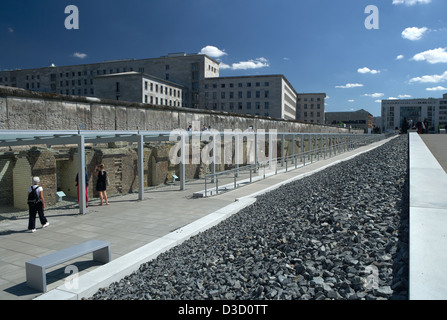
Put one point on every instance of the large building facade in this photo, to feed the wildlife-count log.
(269, 95)
(188, 71)
(194, 76)
(434, 111)
(138, 87)
(310, 107)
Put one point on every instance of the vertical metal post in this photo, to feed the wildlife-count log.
(213, 168)
(140, 164)
(236, 153)
(183, 162)
(293, 148)
(302, 147)
(81, 175)
(256, 151)
(283, 149)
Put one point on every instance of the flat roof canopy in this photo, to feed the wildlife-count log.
(62, 137)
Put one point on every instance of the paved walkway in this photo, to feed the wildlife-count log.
(437, 143)
(127, 223)
(428, 218)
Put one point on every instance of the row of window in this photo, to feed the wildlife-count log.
(240, 85)
(223, 95)
(91, 72)
(231, 105)
(157, 101)
(311, 114)
(311, 99)
(77, 92)
(311, 106)
(159, 88)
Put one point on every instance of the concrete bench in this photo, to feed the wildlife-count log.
(36, 269)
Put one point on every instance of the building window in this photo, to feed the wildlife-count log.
(248, 94)
(266, 94)
(258, 94)
(248, 105)
(145, 98)
(145, 85)
(117, 87)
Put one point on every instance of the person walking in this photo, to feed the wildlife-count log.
(101, 184)
(37, 206)
(86, 186)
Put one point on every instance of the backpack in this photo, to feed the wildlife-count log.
(32, 197)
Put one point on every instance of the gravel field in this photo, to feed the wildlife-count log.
(339, 234)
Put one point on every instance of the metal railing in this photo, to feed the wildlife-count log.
(333, 145)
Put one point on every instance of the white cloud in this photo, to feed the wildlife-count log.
(404, 96)
(380, 101)
(350, 85)
(79, 55)
(374, 95)
(213, 52)
(438, 88)
(245, 65)
(411, 2)
(414, 33)
(400, 57)
(430, 78)
(438, 55)
(367, 70)
(10, 30)
(351, 100)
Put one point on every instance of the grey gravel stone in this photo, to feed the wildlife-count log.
(320, 237)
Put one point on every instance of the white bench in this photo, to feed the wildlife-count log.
(36, 269)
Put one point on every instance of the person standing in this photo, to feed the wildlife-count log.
(38, 207)
(86, 186)
(101, 184)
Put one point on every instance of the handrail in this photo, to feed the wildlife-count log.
(336, 148)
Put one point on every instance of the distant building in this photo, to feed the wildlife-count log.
(434, 111)
(310, 107)
(267, 95)
(188, 71)
(196, 76)
(360, 119)
(138, 87)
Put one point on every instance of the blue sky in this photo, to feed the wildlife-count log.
(319, 45)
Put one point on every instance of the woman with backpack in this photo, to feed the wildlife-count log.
(36, 204)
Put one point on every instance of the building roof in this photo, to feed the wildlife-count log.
(142, 75)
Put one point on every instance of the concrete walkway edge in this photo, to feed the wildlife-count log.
(428, 224)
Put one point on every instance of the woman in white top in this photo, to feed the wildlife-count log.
(38, 207)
